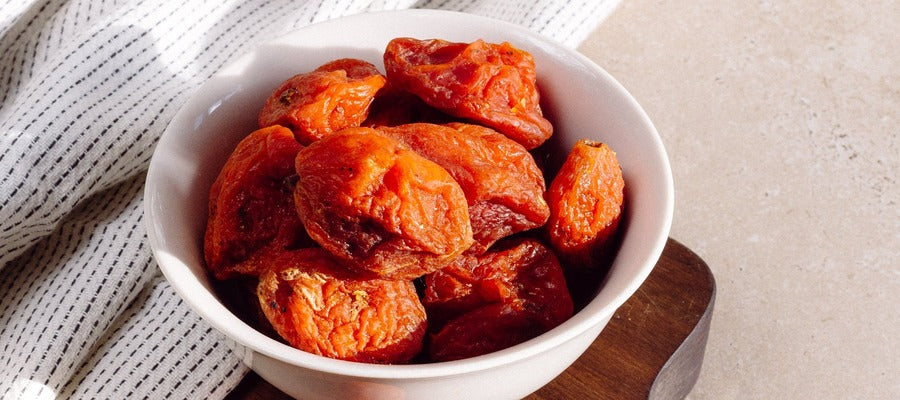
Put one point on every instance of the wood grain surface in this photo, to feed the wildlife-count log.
(652, 347)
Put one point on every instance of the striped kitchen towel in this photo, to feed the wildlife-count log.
(86, 89)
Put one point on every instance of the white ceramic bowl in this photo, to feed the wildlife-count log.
(582, 100)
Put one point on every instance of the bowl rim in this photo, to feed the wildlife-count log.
(197, 297)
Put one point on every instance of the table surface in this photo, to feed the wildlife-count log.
(781, 121)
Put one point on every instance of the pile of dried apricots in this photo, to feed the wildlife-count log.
(402, 217)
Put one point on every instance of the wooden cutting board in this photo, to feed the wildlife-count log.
(652, 347)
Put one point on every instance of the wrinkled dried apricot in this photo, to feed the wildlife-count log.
(484, 330)
(483, 303)
(379, 206)
(321, 308)
(586, 201)
(251, 203)
(334, 96)
(494, 84)
(503, 186)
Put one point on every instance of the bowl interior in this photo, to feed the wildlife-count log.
(581, 99)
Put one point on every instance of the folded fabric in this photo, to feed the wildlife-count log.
(86, 90)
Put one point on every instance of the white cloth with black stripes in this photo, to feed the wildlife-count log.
(86, 89)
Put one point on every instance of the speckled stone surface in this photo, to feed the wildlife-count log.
(782, 123)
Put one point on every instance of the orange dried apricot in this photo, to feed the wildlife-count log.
(319, 307)
(493, 84)
(251, 203)
(379, 206)
(334, 96)
(503, 186)
(586, 201)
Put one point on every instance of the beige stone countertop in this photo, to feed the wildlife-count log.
(781, 120)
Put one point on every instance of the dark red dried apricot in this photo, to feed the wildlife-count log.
(483, 303)
(481, 331)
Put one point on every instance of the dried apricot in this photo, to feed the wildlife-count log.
(321, 308)
(483, 303)
(503, 186)
(484, 330)
(493, 84)
(586, 201)
(379, 206)
(334, 96)
(251, 204)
